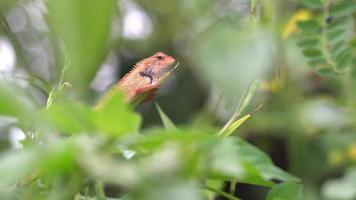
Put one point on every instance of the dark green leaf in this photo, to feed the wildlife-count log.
(261, 162)
(310, 26)
(325, 71)
(312, 52)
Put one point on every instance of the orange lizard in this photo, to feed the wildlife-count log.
(144, 77)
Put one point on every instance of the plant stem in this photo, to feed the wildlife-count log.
(222, 193)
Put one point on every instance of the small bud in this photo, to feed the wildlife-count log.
(329, 19)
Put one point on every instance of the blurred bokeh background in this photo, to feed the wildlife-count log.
(306, 123)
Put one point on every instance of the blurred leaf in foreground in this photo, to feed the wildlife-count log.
(83, 26)
(16, 165)
(115, 118)
(14, 103)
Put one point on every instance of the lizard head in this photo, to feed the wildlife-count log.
(156, 66)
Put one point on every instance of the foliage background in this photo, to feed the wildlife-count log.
(296, 57)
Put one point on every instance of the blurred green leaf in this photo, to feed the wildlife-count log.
(344, 58)
(313, 3)
(315, 62)
(325, 71)
(168, 124)
(225, 59)
(84, 27)
(310, 26)
(14, 102)
(312, 52)
(260, 162)
(227, 158)
(16, 165)
(340, 23)
(309, 42)
(6, 4)
(335, 36)
(70, 117)
(343, 8)
(116, 117)
(236, 124)
(284, 191)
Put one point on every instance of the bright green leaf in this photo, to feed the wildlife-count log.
(116, 117)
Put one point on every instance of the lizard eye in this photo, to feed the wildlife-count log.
(143, 74)
(159, 57)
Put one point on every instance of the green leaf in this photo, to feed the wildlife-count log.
(286, 191)
(344, 58)
(338, 48)
(310, 26)
(313, 3)
(340, 23)
(335, 36)
(13, 102)
(83, 26)
(236, 124)
(309, 43)
(343, 8)
(325, 71)
(70, 117)
(259, 161)
(312, 52)
(16, 165)
(315, 62)
(116, 117)
(168, 124)
(235, 158)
